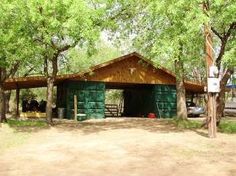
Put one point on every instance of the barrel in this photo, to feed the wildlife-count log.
(60, 113)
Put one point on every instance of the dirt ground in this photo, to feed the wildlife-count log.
(126, 147)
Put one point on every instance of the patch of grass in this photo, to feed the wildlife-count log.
(227, 126)
(185, 124)
(26, 123)
(10, 138)
(16, 132)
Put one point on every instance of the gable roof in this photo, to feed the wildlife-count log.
(118, 59)
(40, 81)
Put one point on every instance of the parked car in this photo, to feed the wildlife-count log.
(194, 110)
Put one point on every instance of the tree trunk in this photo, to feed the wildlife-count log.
(16, 110)
(51, 77)
(220, 99)
(2, 104)
(220, 105)
(50, 84)
(7, 100)
(180, 91)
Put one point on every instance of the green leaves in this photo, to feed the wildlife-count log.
(35, 30)
(158, 28)
(14, 41)
(69, 21)
(222, 17)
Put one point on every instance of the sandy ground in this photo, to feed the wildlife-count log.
(121, 147)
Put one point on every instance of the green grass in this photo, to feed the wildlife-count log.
(227, 126)
(10, 138)
(185, 124)
(17, 132)
(26, 123)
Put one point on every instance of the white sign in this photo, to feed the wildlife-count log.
(213, 71)
(213, 85)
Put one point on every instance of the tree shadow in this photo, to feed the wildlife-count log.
(96, 126)
(201, 133)
(29, 129)
(99, 125)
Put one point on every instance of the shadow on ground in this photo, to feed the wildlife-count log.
(95, 126)
(99, 125)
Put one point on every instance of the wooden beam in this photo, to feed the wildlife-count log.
(17, 102)
(75, 107)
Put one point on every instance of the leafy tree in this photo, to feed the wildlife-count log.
(58, 26)
(164, 31)
(14, 44)
(222, 20)
(103, 53)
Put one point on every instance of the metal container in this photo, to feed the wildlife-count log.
(60, 113)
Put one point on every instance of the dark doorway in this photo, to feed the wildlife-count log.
(129, 100)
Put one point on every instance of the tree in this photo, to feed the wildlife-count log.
(71, 63)
(57, 26)
(14, 44)
(164, 31)
(222, 21)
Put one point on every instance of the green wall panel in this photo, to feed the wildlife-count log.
(160, 99)
(165, 99)
(90, 96)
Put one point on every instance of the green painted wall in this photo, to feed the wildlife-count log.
(158, 99)
(90, 96)
(165, 99)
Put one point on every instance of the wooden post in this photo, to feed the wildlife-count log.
(211, 104)
(75, 107)
(192, 97)
(17, 101)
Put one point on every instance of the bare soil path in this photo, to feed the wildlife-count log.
(122, 147)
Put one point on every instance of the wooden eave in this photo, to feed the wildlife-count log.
(101, 73)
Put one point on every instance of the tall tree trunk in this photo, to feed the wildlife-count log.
(2, 104)
(51, 77)
(7, 100)
(220, 105)
(220, 99)
(50, 84)
(2, 95)
(15, 109)
(180, 91)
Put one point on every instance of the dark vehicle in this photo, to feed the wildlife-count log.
(42, 106)
(194, 110)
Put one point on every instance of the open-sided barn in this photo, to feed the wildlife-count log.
(145, 88)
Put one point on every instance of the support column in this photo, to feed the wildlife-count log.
(211, 105)
(75, 107)
(17, 102)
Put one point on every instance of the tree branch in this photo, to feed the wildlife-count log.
(45, 66)
(13, 69)
(222, 51)
(228, 72)
(206, 6)
(2, 74)
(224, 40)
(216, 33)
(231, 27)
(54, 66)
(28, 72)
(65, 48)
